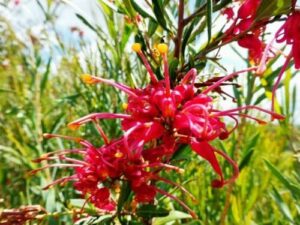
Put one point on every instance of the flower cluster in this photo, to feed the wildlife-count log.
(243, 25)
(158, 119)
(248, 30)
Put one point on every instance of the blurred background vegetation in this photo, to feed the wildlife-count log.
(40, 92)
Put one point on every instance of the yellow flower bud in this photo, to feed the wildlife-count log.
(162, 48)
(124, 105)
(88, 79)
(73, 126)
(136, 47)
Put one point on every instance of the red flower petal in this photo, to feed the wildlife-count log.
(206, 151)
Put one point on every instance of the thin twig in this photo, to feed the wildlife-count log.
(180, 29)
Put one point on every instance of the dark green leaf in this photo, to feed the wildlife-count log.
(209, 12)
(125, 191)
(159, 14)
(183, 153)
(253, 141)
(186, 36)
(87, 23)
(237, 95)
(140, 10)
(150, 211)
(172, 68)
(152, 27)
(260, 98)
(246, 159)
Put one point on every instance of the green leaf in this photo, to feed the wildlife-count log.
(272, 8)
(140, 10)
(152, 26)
(172, 68)
(125, 37)
(173, 215)
(150, 211)
(253, 141)
(45, 76)
(237, 95)
(129, 7)
(259, 99)
(294, 99)
(87, 23)
(281, 204)
(246, 158)
(159, 14)
(183, 153)
(209, 12)
(125, 192)
(186, 36)
(295, 190)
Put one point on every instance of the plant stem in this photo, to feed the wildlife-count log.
(202, 10)
(180, 29)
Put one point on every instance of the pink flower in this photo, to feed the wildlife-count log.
(242, 25)
(290, 33)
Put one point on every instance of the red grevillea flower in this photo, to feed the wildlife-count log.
(97, 176)
(157, 120)
(180, 113)
(289, 33)
(242, 24)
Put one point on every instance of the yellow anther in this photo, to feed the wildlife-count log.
(118, 154)
(88, 79)
(162, 48)
(136, 47)
(124, 105)
(73, 126)
(155, 52)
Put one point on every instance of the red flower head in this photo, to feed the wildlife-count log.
(243, 25)
(179, 113)
(159, 118)
(290, 33)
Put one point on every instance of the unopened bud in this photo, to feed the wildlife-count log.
(136, 47)
(162, 48)
(73, 126)
(88, 79)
